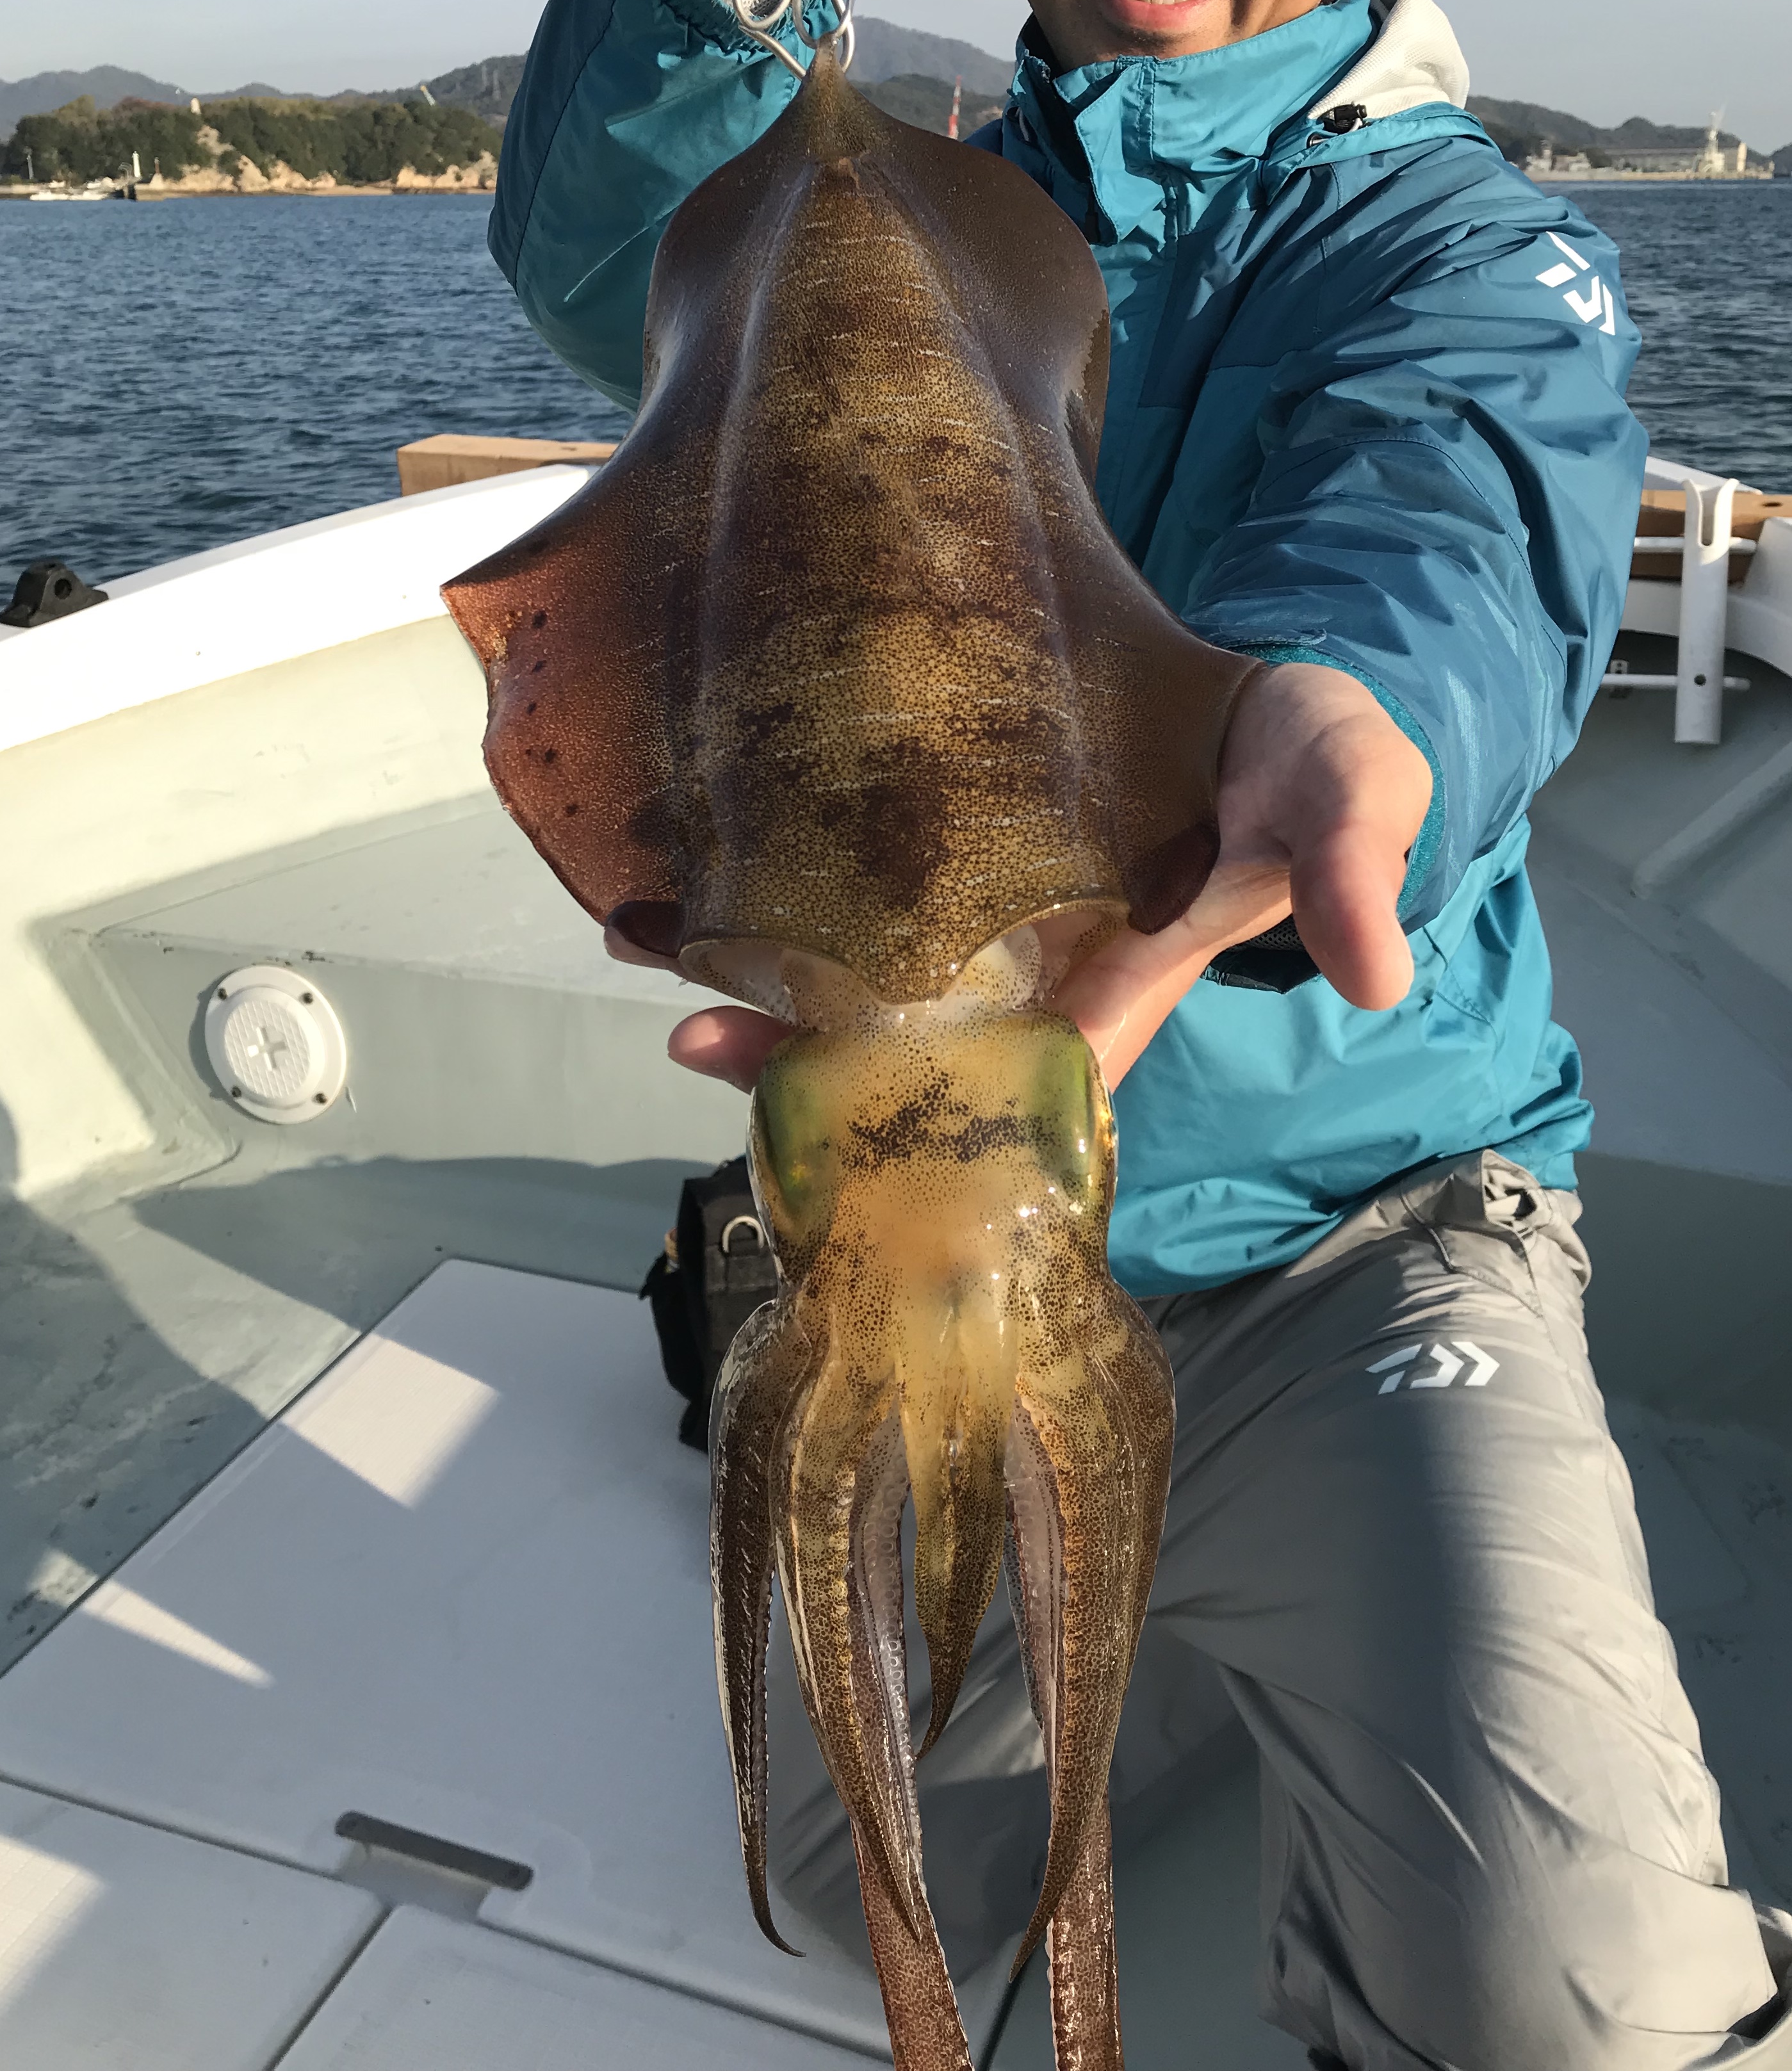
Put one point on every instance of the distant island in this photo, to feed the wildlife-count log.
(885, 52)
(443, 134)
(1547, 139)
(448, 131)
(248, 145)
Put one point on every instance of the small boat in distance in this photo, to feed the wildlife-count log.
(93, 190)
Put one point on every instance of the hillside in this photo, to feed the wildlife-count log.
(912, 71)
(487, 88)
(927, 103)
(250, 144)
(1523, 127)
(256, 89)
(105, 85)
(886, 52)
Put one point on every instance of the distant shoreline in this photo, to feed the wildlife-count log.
(1600, 178)
(277, 193)
(1595, 176)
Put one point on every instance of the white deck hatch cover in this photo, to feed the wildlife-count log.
(436, 1995)
(462, 1586)
(120, 1945)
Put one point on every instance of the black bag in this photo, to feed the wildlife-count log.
(717, 1268)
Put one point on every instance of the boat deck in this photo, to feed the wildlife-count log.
(337, 1474)
(149, 1331)
(345, 1610)
(421, 1751)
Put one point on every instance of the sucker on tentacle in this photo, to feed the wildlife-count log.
(834, 686)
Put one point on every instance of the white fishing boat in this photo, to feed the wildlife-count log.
(123, 187)
(358, 1706)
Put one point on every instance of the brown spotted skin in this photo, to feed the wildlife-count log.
(937, 1185)
(838, 653)
(834, 685)
(1080, 1953)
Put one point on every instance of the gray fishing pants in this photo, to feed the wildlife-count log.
(1401, 1547)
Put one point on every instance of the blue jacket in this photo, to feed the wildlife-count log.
(1365, 409)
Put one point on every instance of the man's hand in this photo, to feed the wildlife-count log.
(1321, 797)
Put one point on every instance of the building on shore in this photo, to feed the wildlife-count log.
(1719, 158)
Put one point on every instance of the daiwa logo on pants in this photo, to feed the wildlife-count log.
(1450, 1360)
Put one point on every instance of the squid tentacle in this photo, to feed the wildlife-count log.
(919, 2002)
(1087, 1675)
(1033, 1558)
(955, 1439)
(1081, 1953)
(768, 1369)
(837, 1456)
(879, 1663)
(1080, 1943)
(1103, 1423)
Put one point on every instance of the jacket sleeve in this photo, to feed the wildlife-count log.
(625, 107)
(1451, 487)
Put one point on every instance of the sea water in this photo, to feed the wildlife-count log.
(181, 373)
(1707, 270)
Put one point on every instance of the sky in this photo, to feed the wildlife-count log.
(1671, 60)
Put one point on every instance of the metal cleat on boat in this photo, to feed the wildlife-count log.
(48, 590)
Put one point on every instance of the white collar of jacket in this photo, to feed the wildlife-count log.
(1118, 138)
(1414, 60)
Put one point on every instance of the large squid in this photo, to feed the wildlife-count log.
(834, 686)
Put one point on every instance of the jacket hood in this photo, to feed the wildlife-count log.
(1414, 60)
(1115, 137)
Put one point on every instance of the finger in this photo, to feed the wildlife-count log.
(727, 1043)
(1119, 1013)
(1346, 889)
(1123, 994)
(1247, 893)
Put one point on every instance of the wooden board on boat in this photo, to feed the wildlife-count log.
(1663, 517)
(451, 458)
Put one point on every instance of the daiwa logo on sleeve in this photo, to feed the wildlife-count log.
(1597, 301)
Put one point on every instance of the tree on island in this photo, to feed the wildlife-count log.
(364, 146)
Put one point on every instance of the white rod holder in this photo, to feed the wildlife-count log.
(1621, 679)
(1704, 614)
(1667, 544)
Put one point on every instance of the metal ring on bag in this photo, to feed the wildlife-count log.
(743, 1222)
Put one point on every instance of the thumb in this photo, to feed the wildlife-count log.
(1346, 890)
